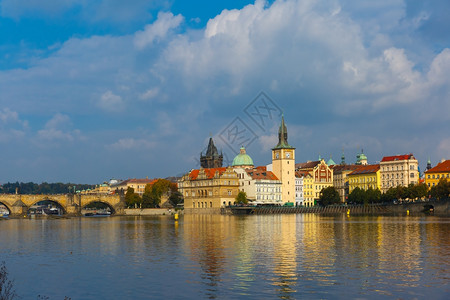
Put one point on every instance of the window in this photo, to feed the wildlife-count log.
(411, 175)
(437, 176)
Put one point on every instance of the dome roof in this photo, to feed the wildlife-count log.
(330, 162)
(242, 159)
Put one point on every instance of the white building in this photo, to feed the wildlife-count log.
(261, 186)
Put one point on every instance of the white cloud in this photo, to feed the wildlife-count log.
(57, 129)
(158, 30)
(149, 94)
(110, 102)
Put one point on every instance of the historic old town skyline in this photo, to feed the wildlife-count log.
(151, 81)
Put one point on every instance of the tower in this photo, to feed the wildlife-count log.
(361, 158)
(211, 159)
(283, 164)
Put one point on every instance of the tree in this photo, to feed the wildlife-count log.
(441, 190)
(357, 196)
(373, 196)
(419, 191)
(390, 195)
(154, 192)
(132, 199)
(176, 198)
(329, 196)
(241, 198)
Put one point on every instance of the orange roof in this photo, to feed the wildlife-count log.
(208, 172)
(259, 174)
(366, 169)
(341, 168)
(261, 168)
(398, 157)
(442, 167)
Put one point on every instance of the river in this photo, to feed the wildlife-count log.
(289, 256)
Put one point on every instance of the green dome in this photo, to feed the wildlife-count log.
(242, 159)
(330, 162)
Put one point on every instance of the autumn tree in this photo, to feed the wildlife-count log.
(154, 192)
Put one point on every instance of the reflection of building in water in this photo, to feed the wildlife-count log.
(204, 239)
(285, 256)
(319, 249)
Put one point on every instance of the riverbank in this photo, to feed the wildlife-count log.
(151, 211)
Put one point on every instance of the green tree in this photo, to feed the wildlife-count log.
(373, 196)
(132, 199)
(176, 198)
(419, 191)
(357, 196)
(329, 196)
(441, 190)
(390, 195)
(241, 198)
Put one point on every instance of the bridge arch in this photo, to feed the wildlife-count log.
(7, 207)
(104, 203)
(59, 205)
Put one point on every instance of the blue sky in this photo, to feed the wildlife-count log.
(93, 90)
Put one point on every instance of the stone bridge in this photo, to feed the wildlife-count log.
(71, 204)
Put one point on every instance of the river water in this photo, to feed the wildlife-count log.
(306, 256)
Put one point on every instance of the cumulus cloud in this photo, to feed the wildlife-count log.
(57, 129)
(157, 30)
(329, 64)
(111, 102)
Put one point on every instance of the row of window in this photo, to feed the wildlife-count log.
(437, 176)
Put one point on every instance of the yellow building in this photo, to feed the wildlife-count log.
(340, 179)
(365, 177)
(283, 164)
(433, 175)
(207, 190)
(322, 175)
(305, 188)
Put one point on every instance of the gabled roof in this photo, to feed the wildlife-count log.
(209, 172)
(365, 169)
(398, 157)
(442, 167)
(258, 174)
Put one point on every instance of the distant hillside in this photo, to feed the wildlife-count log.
(43, 188)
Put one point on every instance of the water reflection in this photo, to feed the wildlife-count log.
(214, 256)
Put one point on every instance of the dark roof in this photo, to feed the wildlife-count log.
(340, 168)
(398, 157)
(307, 165)
(366, 169)
(212, 150)
(442, 167)
(300, 174)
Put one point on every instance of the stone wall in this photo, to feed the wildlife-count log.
(150, 211)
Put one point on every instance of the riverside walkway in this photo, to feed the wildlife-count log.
(437, 207)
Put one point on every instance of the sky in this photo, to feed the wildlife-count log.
(101, 89)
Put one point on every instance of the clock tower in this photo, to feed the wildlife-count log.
(283, 164)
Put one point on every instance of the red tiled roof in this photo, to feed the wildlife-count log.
(208, 172)
(398, 157)
(261, 168)
(366, 169)
(442, 167)
(259, 174)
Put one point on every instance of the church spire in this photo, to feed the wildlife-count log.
(283, 136)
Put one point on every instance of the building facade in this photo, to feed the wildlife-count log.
(321, 173)
(136, 183)
(433, 175)
(260, 185)
(398, 170)
(209, 189)
(340, 180)
(283, 164)
(365, 177)
(304, 189)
